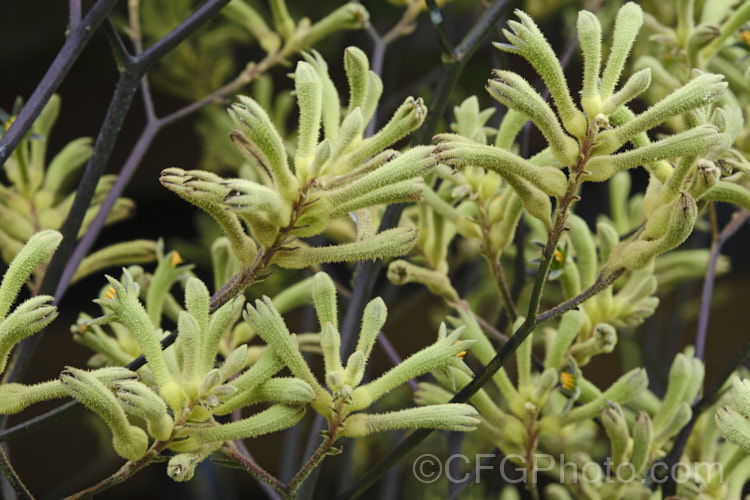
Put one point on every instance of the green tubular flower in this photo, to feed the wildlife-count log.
(621, 391)
(309, 89)
(461, 153)
(275, 418)
(389, 243)
(271, 328)
(570, 325)
(130, 442)
(357, 69)
(257, 130)
(350, 16)
(627, 25)
(616, 428)
(282, 20)
(122, 301)
(528, 40)
(636, 85)
(590, 40)
(37, 250)
(672, 229)
(262, 370)
(348, 137)
(514, 92)
(221, 320)
(167, 273)
(26, 319)
(137, 399)
(331, 109)
(700, 91)
(733, 426)
(116, 255)
(643, 435)
(14, 398)
(241, 13)
(206, 191)
(696, 141)
(283, 390)
(247, 198)
(407, 118)
(441, 355)
(729, 193)
(401, 272)
(451, 417)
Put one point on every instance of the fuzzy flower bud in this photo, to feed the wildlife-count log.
(373, 320)
(453, 417)
(700, 91)
(309, 90)
(37, 250)
(324, 298)
(636, 85)
(590, 40)
(259, 132)
(26, 319)
(440, 355)
(528, 40)
(129, 441)
(515, 92)
(390, 243)
(128, 311)
(627, 25)
(137, 399)
(625, 388)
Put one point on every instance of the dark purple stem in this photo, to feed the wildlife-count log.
(74, 14)
(708, 284)
(89, 238)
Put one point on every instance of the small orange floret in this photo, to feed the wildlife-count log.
(745, 35)
(110, 293)
(558, 256)
(568, 381)
(176, 258)
(9, 123)
(461, 354)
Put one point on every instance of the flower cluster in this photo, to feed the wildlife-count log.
(344, 173)
(41, 194)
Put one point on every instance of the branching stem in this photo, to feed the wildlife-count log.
(532, 321)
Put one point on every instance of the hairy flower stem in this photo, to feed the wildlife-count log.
(315, 460)
(15, 482)
(319, 454)
(532, 321)
(708, 283)
(497, 268)
(253, 469)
